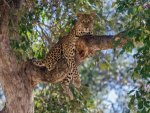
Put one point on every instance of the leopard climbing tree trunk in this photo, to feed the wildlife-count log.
(13, 77)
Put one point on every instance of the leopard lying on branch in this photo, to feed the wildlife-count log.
(65, 48)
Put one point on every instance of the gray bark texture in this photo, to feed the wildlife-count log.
(13, 78)
(18, 79)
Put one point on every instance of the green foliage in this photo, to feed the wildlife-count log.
(139, 100)
(138, 29)
(50, 99)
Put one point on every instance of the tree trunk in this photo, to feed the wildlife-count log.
(18, 93)
(15, 82)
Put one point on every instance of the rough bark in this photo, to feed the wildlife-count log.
(89, 44)
(19, 79)
(13, 78)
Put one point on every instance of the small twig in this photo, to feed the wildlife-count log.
(47, 38)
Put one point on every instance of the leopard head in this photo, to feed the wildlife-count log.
(84, 24)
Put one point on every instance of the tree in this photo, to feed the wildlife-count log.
(23, 27)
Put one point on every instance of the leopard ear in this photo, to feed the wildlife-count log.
(78, 14)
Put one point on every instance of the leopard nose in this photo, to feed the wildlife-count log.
(87, 29)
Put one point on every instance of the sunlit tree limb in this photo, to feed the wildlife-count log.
(88, 45)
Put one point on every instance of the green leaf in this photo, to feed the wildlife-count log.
(104, 66)
(140, 104)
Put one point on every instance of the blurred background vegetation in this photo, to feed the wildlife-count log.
(114, 80)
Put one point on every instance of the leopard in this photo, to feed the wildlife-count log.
(66, 48)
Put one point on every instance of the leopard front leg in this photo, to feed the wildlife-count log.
(69, 54)
(74, 73)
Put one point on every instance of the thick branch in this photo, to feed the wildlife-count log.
(38, 74)
(86, 46)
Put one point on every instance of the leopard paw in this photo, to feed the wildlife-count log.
(69, 94)
(77, 83)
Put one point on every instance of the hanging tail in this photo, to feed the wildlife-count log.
(39, 63)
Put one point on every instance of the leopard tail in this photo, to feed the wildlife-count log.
(39, 63)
